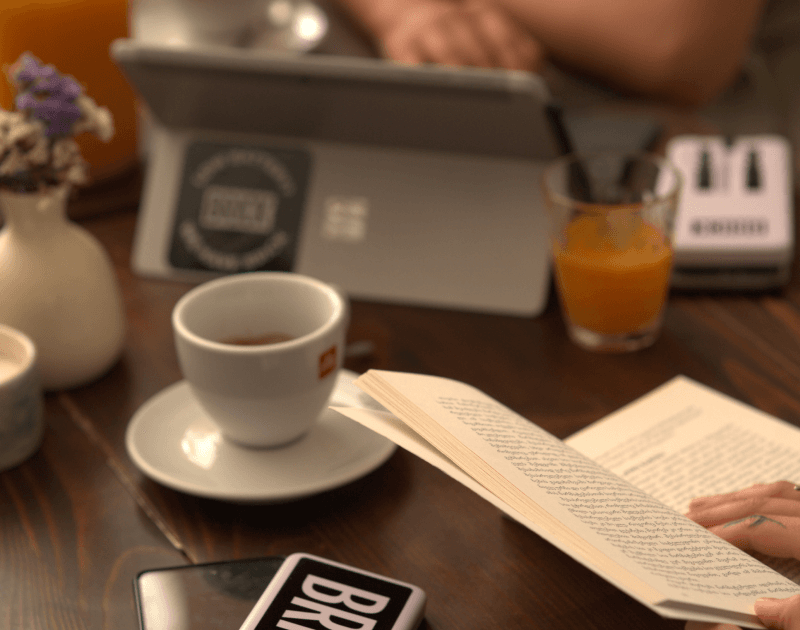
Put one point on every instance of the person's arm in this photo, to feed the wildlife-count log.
(452, 32)
(685, 51)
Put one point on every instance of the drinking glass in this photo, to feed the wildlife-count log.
(612, 218)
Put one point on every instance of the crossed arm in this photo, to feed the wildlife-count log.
(685, 51)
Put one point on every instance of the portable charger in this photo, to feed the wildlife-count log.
(313, 593)
(734, 228)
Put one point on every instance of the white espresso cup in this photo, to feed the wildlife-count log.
(195, 22)
(261, 352)
(21, 400)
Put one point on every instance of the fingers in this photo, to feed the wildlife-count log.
(507, 45)
(459, 34)
(457, 41)
(780, 496)
(402, 42)
(783, 489)
(779, 613)
(734, 510)
(763, 518)
(777, 536)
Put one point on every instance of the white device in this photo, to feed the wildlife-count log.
(411, 184)
(735, 223)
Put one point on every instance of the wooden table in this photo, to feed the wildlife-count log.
(79, 520)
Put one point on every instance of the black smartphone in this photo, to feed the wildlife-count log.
(202, 596)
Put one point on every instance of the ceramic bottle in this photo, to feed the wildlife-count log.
(58, 286)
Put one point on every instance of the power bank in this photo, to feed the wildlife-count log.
(734, 227)
(312, 593)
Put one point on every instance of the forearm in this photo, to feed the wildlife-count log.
(682, 50)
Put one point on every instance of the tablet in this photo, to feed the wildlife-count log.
(410, 184)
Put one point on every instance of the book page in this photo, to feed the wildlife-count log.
(574, 498)
(390, 427)
(685, 440)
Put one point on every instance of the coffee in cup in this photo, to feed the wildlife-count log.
(261, 352)
(259, 340)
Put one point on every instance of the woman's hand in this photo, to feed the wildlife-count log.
(468, 33)
(763, 518)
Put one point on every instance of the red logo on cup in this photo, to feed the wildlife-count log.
(327, 362)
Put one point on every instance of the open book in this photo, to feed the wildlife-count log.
(612, 495)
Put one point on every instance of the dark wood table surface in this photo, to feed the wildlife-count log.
(78, 520)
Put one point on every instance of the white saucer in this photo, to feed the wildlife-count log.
(173, 442)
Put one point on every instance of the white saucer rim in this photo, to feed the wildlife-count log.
(378, 458)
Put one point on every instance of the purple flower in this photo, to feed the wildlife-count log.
(46, 95)
(37, 146)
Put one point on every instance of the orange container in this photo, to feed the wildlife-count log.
(74, 36)
(609, 283)
(612, 215)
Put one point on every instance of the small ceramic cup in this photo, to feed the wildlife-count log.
(21, 400)
(195, 22)
(261, 352)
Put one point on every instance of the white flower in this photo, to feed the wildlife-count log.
(76, 174)
(9, 119)
(13, 163)
(24, 131)
(67, 161)
(94, 119)
(39, 153)
(65, 151)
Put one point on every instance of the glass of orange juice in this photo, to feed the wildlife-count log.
(611, 219)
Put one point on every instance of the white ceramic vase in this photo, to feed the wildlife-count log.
(57, 285)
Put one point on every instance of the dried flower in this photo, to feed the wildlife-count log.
(36, 141)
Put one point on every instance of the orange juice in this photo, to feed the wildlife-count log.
(609, 283)
(74, 36)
